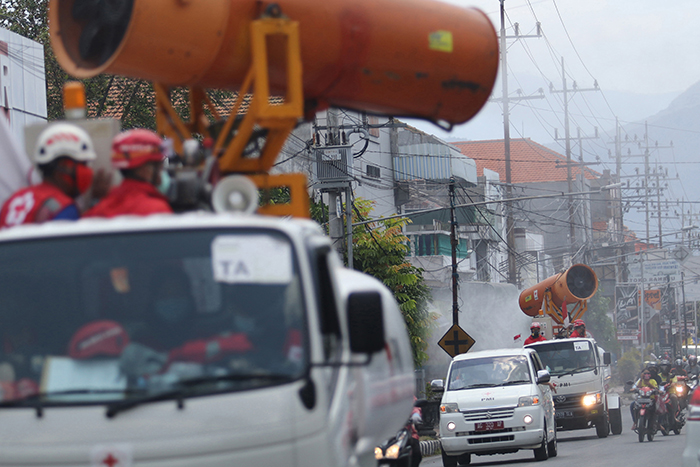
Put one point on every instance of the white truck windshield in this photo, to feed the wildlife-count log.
(103, 318)
(567, 357)
(488, 372)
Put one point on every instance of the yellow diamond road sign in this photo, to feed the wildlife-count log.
(456, 341)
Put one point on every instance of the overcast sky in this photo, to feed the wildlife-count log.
(642, 46)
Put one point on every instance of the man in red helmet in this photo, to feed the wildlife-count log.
(579, 329)
(535, 334)
(139, 156)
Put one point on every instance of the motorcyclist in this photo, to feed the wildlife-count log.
(644, 381)
(416, 419)
(678, 369)
(139, 155)
(579, 329)
(665, 371)
(693, 367)
(535, 334)
(62, 155)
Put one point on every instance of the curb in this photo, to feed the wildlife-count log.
(428, 448)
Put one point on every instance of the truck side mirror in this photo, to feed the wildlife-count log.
(606, 358)
(437, 385)
(543, 377)
(366, 322)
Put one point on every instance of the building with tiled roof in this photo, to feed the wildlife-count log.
(538, 170)
(530, 162)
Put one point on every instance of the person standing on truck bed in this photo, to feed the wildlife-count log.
(579, 329)
(139, 155)
(535, 336)
(62, 156)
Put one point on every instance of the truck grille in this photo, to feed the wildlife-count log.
(489, 414)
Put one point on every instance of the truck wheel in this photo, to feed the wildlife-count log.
(449, 461)
(602, 427)
(615, 421)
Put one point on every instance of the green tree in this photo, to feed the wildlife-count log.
(628, 365)
(380, 249)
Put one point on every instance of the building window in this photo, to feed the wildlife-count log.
(372, 171)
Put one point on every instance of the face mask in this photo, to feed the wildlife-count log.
(83, 178)
(172, 310)
(165, 182)
(244, 324)
(535, 333)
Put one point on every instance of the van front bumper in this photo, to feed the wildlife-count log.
(515, 434)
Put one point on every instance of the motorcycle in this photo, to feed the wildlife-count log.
(681, 390)
(644, 407)
(671, 406)
(397, 451)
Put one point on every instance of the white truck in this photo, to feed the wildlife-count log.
(580, 373)
(197, 339)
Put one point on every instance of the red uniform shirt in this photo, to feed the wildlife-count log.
(531, 339)
(133, 197)
(34, 204)
(578, 334)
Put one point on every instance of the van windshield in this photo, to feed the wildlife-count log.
(570, 357)
(489, 372)
(110, 317)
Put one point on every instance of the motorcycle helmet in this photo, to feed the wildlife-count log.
(692, 360)
(679, 363)
(664, 366)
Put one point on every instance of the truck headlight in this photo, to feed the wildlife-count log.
(449, 407)
(527, 401)
(591, 399)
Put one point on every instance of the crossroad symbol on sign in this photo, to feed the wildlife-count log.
(456, 341)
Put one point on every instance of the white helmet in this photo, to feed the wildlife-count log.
(63, 140)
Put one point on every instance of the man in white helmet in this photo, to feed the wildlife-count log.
(62, 156)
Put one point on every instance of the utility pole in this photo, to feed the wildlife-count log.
(453, 243)
(567, 137)
(510, 222)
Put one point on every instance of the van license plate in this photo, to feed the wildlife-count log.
(564, 414)
(489, 426)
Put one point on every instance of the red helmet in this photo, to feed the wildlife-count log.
(98, 338)
(133, 148)
(579, 322)
(535, 326)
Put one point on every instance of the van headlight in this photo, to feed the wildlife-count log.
(527, 401)
(449, 407)
(592, 399)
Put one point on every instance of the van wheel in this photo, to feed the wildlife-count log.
(449, 461)
(552, 446)
(615, 421)
(465, 459)
(541, 452)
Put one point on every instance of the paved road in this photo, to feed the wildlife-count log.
(582, 448)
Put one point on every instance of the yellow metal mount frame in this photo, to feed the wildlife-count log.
(549, 308)
(279, 120)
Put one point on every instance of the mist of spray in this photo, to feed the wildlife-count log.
(488, 312)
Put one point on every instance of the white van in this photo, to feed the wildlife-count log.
(496, 402)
